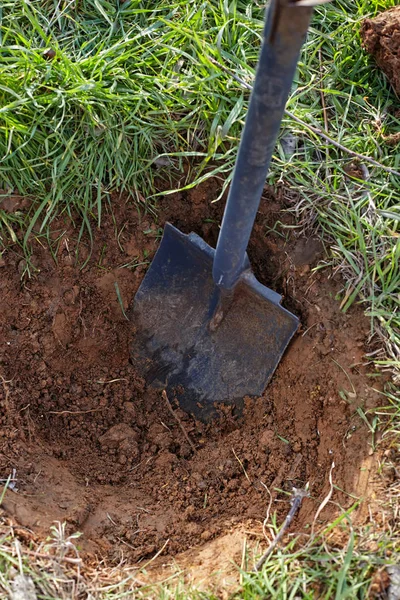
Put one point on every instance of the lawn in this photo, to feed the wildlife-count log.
(98, 96)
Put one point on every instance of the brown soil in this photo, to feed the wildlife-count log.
(93, 446)
(381, 38)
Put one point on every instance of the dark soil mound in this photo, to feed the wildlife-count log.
(381, 38)
(93, 446)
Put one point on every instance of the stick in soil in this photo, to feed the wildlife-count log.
(177, 419)
(241, 464)
(74, 412)
(298, 496)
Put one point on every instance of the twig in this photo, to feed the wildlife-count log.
(315, 130)
(277, 481)
(68, 559)
(189, 441)
(18, 551)
(297, 499)
(126, 543)
(108, 381)
(319, 132)
(241, 464)
(110, 519)
(308, 329)
(74, 412)
(157, 554)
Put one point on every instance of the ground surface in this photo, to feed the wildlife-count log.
(93, 446)
(381, 37)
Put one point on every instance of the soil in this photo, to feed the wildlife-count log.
(92, 445)
(381, 38)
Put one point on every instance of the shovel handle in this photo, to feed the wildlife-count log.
(285, 30)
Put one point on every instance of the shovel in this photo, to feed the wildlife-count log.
(206, 330)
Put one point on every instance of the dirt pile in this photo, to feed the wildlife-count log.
(381, 38)
(93, 446)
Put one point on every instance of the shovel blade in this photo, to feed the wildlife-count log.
(174, 347)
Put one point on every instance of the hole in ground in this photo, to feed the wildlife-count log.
(94, 447)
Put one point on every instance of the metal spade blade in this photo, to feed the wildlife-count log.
(206, 329)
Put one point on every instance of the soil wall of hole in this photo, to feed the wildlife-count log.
(93, 446)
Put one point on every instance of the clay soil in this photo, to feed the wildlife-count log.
(93, 446)
(381, 38)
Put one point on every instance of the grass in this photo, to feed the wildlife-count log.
(98, 114)
(339, 563)
(97, 96)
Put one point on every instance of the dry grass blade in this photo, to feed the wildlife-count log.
(325, 500)
(177, 419)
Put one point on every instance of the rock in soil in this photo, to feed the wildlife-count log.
(22, 588)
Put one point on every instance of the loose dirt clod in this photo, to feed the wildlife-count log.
(381, 38)
(95, 447)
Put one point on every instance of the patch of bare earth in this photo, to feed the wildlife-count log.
(93, 446)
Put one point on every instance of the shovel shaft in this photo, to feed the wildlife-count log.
(285, 30)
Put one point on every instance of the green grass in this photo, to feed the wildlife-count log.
(343, 567)
(131, 85)
(316, 572)
(127, 83)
